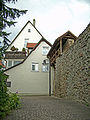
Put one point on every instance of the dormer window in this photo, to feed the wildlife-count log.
(29, 30)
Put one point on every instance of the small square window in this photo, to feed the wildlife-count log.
(8, 84)
(34, 66)
(45, 50)
(29, 30)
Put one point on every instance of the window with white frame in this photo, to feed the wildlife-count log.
(16, 62)
(45, 50)
(34, 66)
(9, 63)
(29, 30)
(8, 84)
(25, 42)
(45, 67)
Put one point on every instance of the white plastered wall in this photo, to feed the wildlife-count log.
(24, 80)
(33, 37)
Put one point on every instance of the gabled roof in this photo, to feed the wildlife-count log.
(42, 40)
(22, 30)
(31, 45)
(68, 35)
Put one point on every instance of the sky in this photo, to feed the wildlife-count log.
(53, 17)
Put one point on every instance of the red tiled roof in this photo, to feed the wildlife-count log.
(1, 64)
(31, 45)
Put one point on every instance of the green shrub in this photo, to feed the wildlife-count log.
(8, 101)
(14, 101)
(9, 104)
(4, 96)
(23, 50)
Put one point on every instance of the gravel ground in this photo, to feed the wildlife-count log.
(49, 108)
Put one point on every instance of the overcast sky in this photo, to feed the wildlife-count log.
(53, 17)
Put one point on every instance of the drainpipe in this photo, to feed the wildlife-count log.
(49, 79)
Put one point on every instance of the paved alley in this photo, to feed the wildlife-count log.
(49, 108)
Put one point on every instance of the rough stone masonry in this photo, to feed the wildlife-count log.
(72, 74)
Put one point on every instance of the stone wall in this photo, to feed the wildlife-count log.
(72, 74)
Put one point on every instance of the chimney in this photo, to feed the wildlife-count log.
(34, 21)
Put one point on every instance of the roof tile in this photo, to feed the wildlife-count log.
(31, 45)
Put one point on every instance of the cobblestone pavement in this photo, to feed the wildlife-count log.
(49, 108)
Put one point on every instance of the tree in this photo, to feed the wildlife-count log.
(7, 17)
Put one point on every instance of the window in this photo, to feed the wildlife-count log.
(25, 42)
(29, 30)
(16, 62)
(34, 66)
(9, 63)
(8, 84)
(45, 50)
(45, 67)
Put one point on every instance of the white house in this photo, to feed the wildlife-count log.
(31, 76)
(28, 34)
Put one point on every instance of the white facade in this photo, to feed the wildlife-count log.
(12, 62)
(28, 34)
(30, 77)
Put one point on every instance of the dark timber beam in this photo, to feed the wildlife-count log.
(61, 46)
